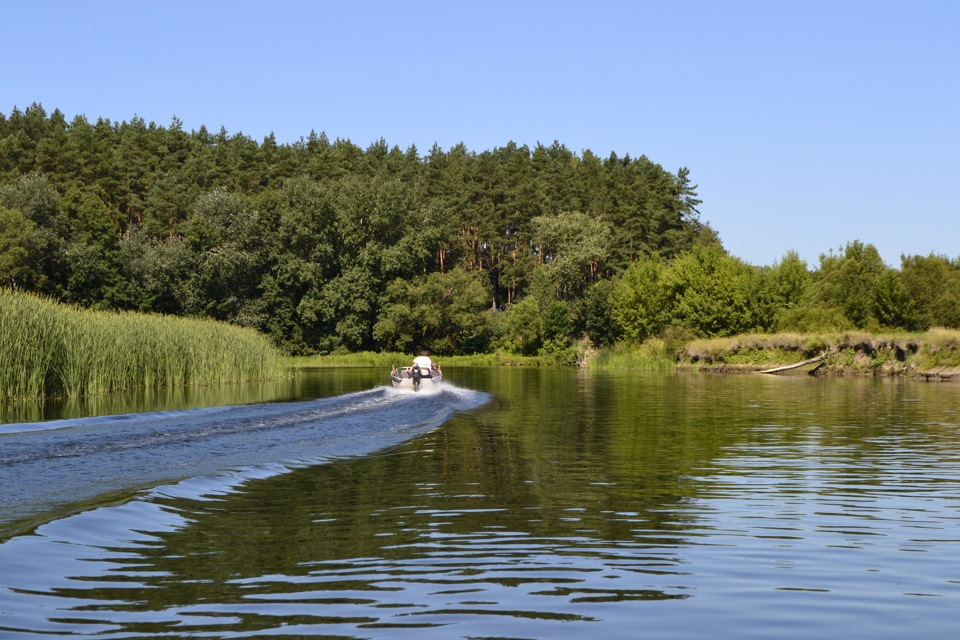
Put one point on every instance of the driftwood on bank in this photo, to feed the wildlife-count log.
(819, 358)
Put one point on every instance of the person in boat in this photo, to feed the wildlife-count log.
(422, 368)
(424, 362)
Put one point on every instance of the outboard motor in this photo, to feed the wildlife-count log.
(416, 374)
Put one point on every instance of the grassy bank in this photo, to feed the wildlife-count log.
(932, 354)
(49, 349)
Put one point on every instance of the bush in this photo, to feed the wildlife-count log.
(811, 319)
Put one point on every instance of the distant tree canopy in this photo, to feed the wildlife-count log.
(329, 247)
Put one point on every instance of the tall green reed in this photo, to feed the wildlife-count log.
(652, 355)
(50, 349)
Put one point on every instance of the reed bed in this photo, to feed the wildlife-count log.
(652, 355)
(48, 349)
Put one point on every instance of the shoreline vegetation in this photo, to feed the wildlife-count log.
(50, 349)
(931, 355)
(200, 258)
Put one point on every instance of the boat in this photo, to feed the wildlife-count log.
(415, 377)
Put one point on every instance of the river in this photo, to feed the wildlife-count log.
(509, 503)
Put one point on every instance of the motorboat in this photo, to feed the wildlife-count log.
(415, 377)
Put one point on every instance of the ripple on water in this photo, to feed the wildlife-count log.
(560, 512)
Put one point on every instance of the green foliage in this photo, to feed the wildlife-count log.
(777, 292)
(155, 272)
(847, 281)
(523, 330)
(791, 281)
(310, 243)
(49, 349)
(892, 303)
(301, 240)
(557, 325)
(706, 292)
(443, 313)
(571, 245)
(16, 233)
(91, 252)
(36, 198)
(43, 233)
(638, 300)
(346, 305)
(811, 319)
(595, 313)
(933, 284)
(651, 355)
(225, 263)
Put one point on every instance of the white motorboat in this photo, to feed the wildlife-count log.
(415, 377)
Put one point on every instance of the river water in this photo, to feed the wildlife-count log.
(509, 503)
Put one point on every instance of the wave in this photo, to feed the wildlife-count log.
(51, 466)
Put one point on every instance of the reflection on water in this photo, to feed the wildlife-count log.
(624, 505)
(303, 384)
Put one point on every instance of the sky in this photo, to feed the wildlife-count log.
(806, 124)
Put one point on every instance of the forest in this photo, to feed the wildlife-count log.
(326, 247)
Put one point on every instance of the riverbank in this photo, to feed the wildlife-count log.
(932, 355)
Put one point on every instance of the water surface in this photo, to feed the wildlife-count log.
(515, 503)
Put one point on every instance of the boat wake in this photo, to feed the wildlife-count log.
(51, 469)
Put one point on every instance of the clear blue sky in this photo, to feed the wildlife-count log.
(807, 124)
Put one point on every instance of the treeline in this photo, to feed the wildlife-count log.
(708, 293)
(328, 247)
